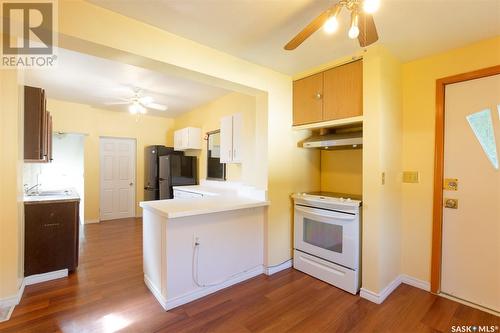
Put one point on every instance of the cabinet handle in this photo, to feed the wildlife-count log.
(48, 225)
(318, 95)
(230, 154)
(234, 154)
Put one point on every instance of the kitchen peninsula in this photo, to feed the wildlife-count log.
(205, 239)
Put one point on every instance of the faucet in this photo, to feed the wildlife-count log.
(30, 190)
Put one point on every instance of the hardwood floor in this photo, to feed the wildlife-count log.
(108, 294)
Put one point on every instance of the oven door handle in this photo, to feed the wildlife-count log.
(325, 213)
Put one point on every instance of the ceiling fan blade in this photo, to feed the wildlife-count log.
(309, 29)
(367, 30)
(156, 106)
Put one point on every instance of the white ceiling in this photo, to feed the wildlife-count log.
(257, 30)
(85, 79)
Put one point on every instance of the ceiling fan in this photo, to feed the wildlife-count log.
(139, 103)
(362, 25)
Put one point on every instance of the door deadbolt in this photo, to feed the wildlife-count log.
(451, 184)
(451, 203)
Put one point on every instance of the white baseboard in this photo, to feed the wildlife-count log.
(379, 298)
(168, 304)
(90, 221)
(156, 293)
(270, 270)
(417, 283)
(38, 278)
(12, 301)
(9, 303)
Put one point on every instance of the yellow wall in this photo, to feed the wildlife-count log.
(79, 118)
(382, 108)
(342, 171)
(11, 206)
(207, 117)
(419, 79)
(280, 159)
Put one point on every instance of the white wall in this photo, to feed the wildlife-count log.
(65, 171)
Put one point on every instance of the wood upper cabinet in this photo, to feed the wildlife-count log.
(343, 91)
(330, 95)
(37, 126)
(308, 100)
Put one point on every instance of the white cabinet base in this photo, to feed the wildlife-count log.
(231, 250)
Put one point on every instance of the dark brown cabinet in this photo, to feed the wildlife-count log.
(51, 236)
(37, 126)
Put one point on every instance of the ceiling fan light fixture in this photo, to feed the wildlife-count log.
(371, 6)
(136, 108)
(331, 24)
(354, 29)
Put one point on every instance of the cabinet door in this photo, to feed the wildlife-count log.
(51, 237)
(34, 123)
(178, 140)
(226, 139)
(50, 133)
(194, 138)
(237, 138)
(308, 100)
(343, 89)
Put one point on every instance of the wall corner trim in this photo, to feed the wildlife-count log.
(270, 270)
(379, 298)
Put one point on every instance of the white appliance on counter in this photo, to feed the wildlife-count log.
(327, 238)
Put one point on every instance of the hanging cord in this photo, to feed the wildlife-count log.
(195, 265)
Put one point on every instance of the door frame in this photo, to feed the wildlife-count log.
(437, 214)
(134, 172)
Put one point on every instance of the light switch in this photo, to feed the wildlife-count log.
(411, 177)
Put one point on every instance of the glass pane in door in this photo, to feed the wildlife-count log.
(324, 235)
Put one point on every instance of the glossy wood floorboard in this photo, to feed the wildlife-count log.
(107, 294)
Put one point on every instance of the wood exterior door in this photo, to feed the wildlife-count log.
(471, 212)
(308, 100)
(343, 91)
(117, 178)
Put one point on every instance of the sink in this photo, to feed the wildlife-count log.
(54, 193)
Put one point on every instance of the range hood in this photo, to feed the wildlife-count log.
(346, 140)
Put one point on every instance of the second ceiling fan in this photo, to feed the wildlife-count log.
(362, 25)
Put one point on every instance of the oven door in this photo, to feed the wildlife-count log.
(328, 234)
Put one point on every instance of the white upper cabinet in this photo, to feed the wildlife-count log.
(231, 139)
(187, 138)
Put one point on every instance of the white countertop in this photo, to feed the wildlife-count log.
(205, 190)
(52, 197)
(214, 200)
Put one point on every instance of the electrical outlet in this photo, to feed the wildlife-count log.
(383, 178)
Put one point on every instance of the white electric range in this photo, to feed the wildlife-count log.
(327, 237)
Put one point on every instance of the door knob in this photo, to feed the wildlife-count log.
(131, 184)
(451, 203)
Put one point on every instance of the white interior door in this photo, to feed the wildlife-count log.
(471, 229)
(118, 162)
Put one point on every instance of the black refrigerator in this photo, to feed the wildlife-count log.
(164, 168)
